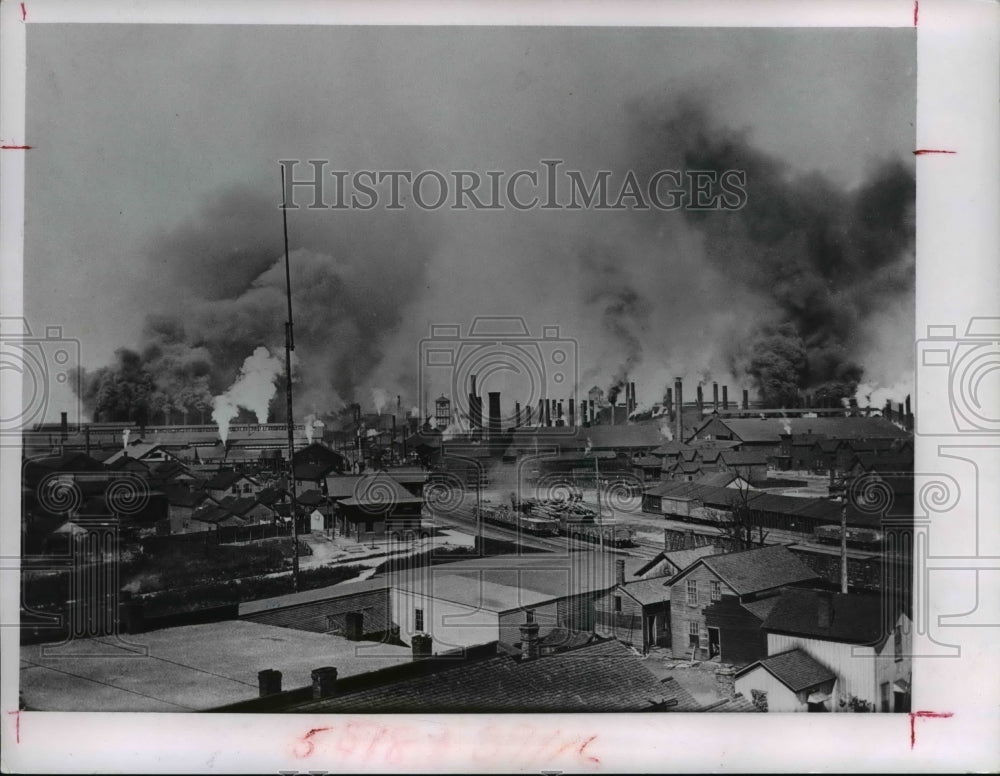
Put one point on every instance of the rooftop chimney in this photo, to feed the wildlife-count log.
(620, 571)
(268, 682)
(825, 611)
(421, 645)
(324, 682)
(529, 639)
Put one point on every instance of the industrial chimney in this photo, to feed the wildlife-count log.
(572, 411)
(725, 397)
(746, 399)
(475, 406)
(701, 399)
(715, 397)
(517, 414)
(679, 391)
(494, 398)
(668, 402)
(64, 425)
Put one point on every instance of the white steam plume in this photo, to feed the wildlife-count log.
(253, 390)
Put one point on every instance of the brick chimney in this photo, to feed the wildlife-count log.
(422, 646)
(268, 682)
(620, 571)
(715, 397)
(529, 640)
(725, 397)
(726, 681)
(824, 613)
(679, 393)
(324, 682)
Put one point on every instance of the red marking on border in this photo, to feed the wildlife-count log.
(17, 725)
(927, 715)
(24, 13)
(922, 151)
(916, 11)
(15, 147)
(307, 740)
(584, 746)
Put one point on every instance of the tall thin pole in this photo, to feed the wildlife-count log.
(289, 347)
(843, 543)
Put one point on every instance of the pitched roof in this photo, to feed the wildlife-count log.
(744, 457)
(181, 496)
(239, 506)
(684, 558)
(377, 490)
(854, 619)
(717, 479)
(647, 591)
(756, 570)
(795, 669)
(137, 449)
(762, 607)
(601, 677)
(225, 479)
(313, 471)
(647, 461)
(673, 447)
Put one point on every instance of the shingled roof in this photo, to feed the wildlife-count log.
(756, 570)
(795, 669)
(601, 677)
(853, 619)
(764, 430)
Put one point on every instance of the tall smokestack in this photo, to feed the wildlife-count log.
(527, 413)
(631, 390)
(701, 399)
(494, 413)
(541, 412)
(909, 413)
(746, 399)
(583, 412)
(572, 412)
(668, 402)
(725, 397)
(517, 414)
(475, 406)
(679, 420)
(561, 419)
(593, 412)
(548, 412)
(64, 425)
(715, 397)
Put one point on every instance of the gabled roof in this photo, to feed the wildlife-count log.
(182, 496)
(744, 458)
(647, 591)
(310, 498)
(756, 570)
(684, 558)
(270, 495)
(762, 607)
(718, 479)
(342, 486)
(601, 677)
(795, 669)
(647, 461)
(239, 506)
(377, 490)
(226, 479)
(137, 449)
(313, 471)
(673, 447)
(853, 619)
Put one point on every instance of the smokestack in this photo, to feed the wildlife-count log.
(593, 412)
(494, 413)
(571, 408)
(746, 399)
(527, 413)
(268, 682)
(324, 682)
(64, 425)
(561, 418)
(548, 412)
(631, 390)
(715, 397)
(620, 571)
(725, 397)
(679, 391)
(517, 414)
(701, 399)
(669, 402)
(909, 413)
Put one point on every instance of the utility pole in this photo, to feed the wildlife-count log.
(289, 347)
(843, 542)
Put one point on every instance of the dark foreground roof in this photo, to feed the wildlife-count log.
(601, 677)
(854, 619)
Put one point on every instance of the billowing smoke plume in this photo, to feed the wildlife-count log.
(253, 390)
(380, 397)
(826, 260)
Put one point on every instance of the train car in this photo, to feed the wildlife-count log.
(612, 533)
(864, 538)
(510, 518)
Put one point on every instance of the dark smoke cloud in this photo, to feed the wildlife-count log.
(348, 285)
(825, 259)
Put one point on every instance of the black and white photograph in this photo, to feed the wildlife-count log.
(487, 367)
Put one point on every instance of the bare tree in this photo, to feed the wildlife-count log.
(740, 529)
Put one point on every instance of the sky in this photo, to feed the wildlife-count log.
(152, 193)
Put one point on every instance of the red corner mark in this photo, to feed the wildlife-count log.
(24, 13)
(916, 11)
(6, 147)
(584, 745)
(922, 151)
(17, 725)
(924, 714)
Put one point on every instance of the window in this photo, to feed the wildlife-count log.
(716, 589)
(418, 619)
(897, 644)
(694, 634)
(692, 592)
(618, 603)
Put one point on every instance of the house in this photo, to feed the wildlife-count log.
(867, 647)
(312, 475)
(788, 681)
(212, 516)
(148, 452)
(647, 468)
(746, 576)
(250, 510)
(637, 610)
(751, 465)
(320, 455)
(182, 502)
(377, 505)
(232, 483)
